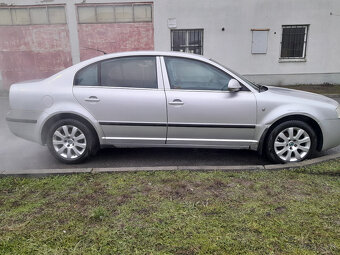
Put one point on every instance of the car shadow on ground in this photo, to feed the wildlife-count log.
(151, 157)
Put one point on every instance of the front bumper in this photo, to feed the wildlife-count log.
(331, 133)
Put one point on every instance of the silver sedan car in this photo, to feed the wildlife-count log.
(168, 99)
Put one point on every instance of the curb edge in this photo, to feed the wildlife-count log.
(47, 172)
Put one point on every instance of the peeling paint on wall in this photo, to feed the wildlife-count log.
(1, 85)
(116, 37)
(33, 52)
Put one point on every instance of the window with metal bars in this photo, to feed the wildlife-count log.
(294, 41)
(187, 40)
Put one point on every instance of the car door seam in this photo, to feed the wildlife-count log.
(161, 60)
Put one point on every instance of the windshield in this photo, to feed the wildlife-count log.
(254, 85)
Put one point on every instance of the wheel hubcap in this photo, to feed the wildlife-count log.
(69, 142)
(292, 144)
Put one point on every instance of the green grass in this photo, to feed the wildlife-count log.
(180, 212)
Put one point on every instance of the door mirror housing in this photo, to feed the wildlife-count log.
(234, 85)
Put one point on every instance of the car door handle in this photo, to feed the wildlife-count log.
(92, 99)
(176, 102)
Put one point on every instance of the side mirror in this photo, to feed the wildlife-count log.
(234, 85)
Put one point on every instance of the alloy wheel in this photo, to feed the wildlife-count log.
(69, 142)
(292, 144)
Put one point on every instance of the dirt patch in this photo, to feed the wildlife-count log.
(217, 184)
(186, 251)
(280, 209)
(177, 190)
(123, 199)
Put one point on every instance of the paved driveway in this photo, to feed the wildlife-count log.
(19, 154)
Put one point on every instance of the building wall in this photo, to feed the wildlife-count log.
(29, 52)
(33, 52)
(38, 51)
(114, 38)
(232, 47)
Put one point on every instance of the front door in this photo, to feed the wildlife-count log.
(126, 97)
(201, 111)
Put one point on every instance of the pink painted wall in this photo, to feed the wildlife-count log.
(33, 52)
(115, 37)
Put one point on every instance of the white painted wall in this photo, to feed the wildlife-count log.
(233, 46)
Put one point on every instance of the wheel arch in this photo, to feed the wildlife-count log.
(60, 116)
(310, 121)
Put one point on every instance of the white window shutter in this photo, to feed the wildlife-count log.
(259, 42)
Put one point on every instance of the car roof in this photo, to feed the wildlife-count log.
(144, 53)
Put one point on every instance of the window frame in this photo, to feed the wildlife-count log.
(187, 39)
(114, 11)
(305, 41)
(83, 68)
(28, 8)
(168, 85)
(98, 63)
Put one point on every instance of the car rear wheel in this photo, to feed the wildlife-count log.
(291, 141)
(70, 141)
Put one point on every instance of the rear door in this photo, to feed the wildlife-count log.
(126, 96)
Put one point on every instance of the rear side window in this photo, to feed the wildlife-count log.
(134, 72)
(87, 76)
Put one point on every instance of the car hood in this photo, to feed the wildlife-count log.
(301, 95)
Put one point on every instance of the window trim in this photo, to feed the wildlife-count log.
(168, 87)
(187, 39)
(304, 51)
(112, 87)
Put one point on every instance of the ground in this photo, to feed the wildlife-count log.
(173, 212)
(180, 212)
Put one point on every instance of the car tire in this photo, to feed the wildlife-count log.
(291, 141)
(70, 141)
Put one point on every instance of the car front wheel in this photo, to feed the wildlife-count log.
(291, 141)
(70, 141)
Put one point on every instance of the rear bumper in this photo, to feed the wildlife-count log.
(24, 128)
(331, 133)
(24, 125)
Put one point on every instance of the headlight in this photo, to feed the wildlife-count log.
(338, 111)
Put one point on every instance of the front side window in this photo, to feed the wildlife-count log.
(190, 41)
(195, 75)
(136, 72)
(294, 40)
